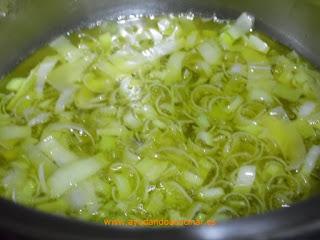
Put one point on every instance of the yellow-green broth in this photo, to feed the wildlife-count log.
(160, 118)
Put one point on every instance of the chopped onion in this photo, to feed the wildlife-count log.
(44, 69)
(65, 98)
(206, 138)
(69, 175)
(257, 44)
(236, 68)
(82, 196)
(311, 159)
(148, 111)
(259, 71)
(131, 90)
(15, 84)
(131, 121)
(210, 52)
(203, 121)
(164, 48)
(131, 37)
(174, 67)
(235, 104)
(192, 179)
(192, 39)
(287, 138)
(156, 36)
(14, 177)
(123, 186)
(180, 190)
(66, 126)
(42, 178)
(246, 176)
(66, 75)
(65, 48)
(279, 112)
(112, 129)
(306, 109)
(41, 118)
(163, 24)
(211, 193)
(260, 95)
(243, 25)
(58, 153)
(151, 169)
(13, 132)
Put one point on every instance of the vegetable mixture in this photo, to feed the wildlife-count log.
(168, 117)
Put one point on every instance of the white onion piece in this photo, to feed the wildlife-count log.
(211, 193)
(41, 118)
(159, 124)
(42, 178)
(148, 111)
(123, 186)
(14, 177)
(156, 36)
(132, 91)
(44, 69)
(130, 156)
(260, 95)
(192, 178)
(174, 66)
(164, 48)
(205, 137)
(83, 196)
(163, 25)
(12, 132)
(243, 24)
(235, 104)
(203, 121)
(68, 176)
(246, 176)
(112, 129)
(66, 49)
(236, 68)
(311, 159)
(29, 113)
(192, 39)
(306, 109)
(257, 44)
(182, 191)
(131, 121)
(66, 126)
(259, 71)
(279, 112)
(56, 151)
(64, 99)
(204, 66)
(211, 53)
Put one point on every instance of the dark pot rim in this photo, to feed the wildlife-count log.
(296, 220)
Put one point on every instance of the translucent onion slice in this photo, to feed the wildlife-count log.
(69, 175)
(246, 176)
(311, 159)
(243, 25)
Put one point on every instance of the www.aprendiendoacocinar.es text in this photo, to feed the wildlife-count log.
(157, 222)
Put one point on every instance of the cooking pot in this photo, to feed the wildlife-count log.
(27, 24)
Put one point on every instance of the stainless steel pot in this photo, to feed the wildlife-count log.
(28, 24)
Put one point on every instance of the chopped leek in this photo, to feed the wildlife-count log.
(68, 176)
(246, 176)
(257, 44)
(161, 118)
